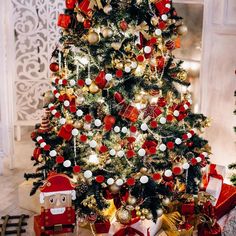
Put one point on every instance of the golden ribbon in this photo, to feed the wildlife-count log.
(95, 3)
(142, 28)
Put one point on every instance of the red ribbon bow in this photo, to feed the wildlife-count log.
(213, 173)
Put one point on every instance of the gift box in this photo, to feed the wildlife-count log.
(226, 201)
(65, 132)
(102, 226)
(130, 113)
(64, 21)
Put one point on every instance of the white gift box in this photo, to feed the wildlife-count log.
(214, 188)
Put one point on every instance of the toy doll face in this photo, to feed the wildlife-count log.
(57, 203)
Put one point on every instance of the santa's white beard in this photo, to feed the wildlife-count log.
(57, 211)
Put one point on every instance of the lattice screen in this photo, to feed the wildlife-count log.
(36, 35)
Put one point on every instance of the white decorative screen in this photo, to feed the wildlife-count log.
(36, 35)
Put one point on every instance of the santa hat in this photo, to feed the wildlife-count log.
(57, 183)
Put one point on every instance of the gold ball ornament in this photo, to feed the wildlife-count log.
(93, 88)
(138, 213)
(182, 29)
(149, 216)
(79, 17)
(107, 9)
(93, 37)
(114, 188)
(137, 208)
(107, 32)
(145, 211)
(78, 124)
(131, 200)
(143, 170)
(154, 20)
(182, 76)
(123, 216)
(142, 217)
(116, 45)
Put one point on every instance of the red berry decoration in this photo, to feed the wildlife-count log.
(64, 82)
(193, 161)
(88, 118)
(100, 178)
(80, 82)
(152, 150)
(119, 73)
(192, 132)
(123, 25)
(153, 124)
(47, 147)
(58, 115)
(162, 25)
(177, 170)
(130, 181)
(131, 139)
(87, 24)
(153, 40)
(169, 118)
(140, 58)
(64, 21)
(54, 67)
(59, 159)
(103, 149)
(156, 176)
(83, 138)
(133, 129)
(170, 145)
(130, 153)
(184, 136)
(76, 169)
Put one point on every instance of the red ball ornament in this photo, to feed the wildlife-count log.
(83, 138)
(184, 136)
(100, 80)
(60, 159)
(152, 150)
(80, 82)
(88, 118)
(123, 25)
(130, 153)
(47, 147)
(133, 129)
(100, 178)
(162, 25)
(169, 118)
(140, 58)
(170, 145)
(130, 181)
(192, 132)
(153, 40)
(87, 24)
(193, 161)
(57, 115)
(181, 109)
(190, 144)
(119, 73)
(73, 109)
(156, 176)
(161, 102)
(76, 169)
(103, 149)
(54, 67)
(64, 82)
(177, 170)
(153, 124)
(107, 127)
(109, 120)
(64, 21)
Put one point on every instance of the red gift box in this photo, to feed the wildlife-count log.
(64, 21)
(65, 132)
(188, 208)
(70, 4)
(102, 227)
(129, 112)
(227, 200)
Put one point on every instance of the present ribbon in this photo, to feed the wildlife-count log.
(128, 230)
(213, 173)
(142, 28)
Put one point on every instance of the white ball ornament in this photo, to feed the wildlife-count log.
(43, 144)
(93, 144)
(72, 82)
(108, 77)
(162, 120)
(62, 121)
(117, 129)
(134, 64)
(79, 113)
(164, 17)
(75, 132)
(127, 69)
(88, 174)
(98, 122)
(60, 81)
(120, 153)
(159, 212)
(141, 152)
(112, 152)
(168, 173)
(178, 141)
(88, 81)
(147, 49)
(189, 135)
(67, 163)
(205, 154)
(166, 201)
(66, 103)
(167, 5)
(124, 130)
(186, 166)
(57, 95)
(176, 113)
(144, 179)
(162, 147)
(119, 182)
(39, 138)
(199, 159)
(158, 32)
(54, 112)
(110, 181)
(52, 153)
(144, 127)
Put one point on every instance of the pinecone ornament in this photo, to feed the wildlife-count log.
(81, 189)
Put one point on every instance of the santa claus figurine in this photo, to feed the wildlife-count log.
(57, 213)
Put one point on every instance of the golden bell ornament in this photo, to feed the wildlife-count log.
(107, 9)
(182, 29)
(131, 200)
(93, 37)
(154, 20)
(123, 216)
(93, 88)
(79, 17)
(107, 32)
(116, 45)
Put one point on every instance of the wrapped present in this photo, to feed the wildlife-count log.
(130, 113)
(102, 226)
(65, 132)
(215, 182)
(173, 225)
(188, 208)
(226, 201)
(64, 21)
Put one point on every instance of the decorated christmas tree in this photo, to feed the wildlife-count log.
(116, 121)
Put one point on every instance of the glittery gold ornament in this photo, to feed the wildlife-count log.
(93, 37)
(182, 75)
(107, 32)
(93, 88)
(154, 20)
(78, 124)
(138, 213)
(123, 216)
(182, 29)
(145, 211)
(131, 200)
(107, 9)
(137, 208)
(116, 45)
(114, 188)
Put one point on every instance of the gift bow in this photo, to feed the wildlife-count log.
(128, 230)
(213, 173)
(142, 28)
(96, 3)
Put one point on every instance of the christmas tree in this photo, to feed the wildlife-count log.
(115, 121)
